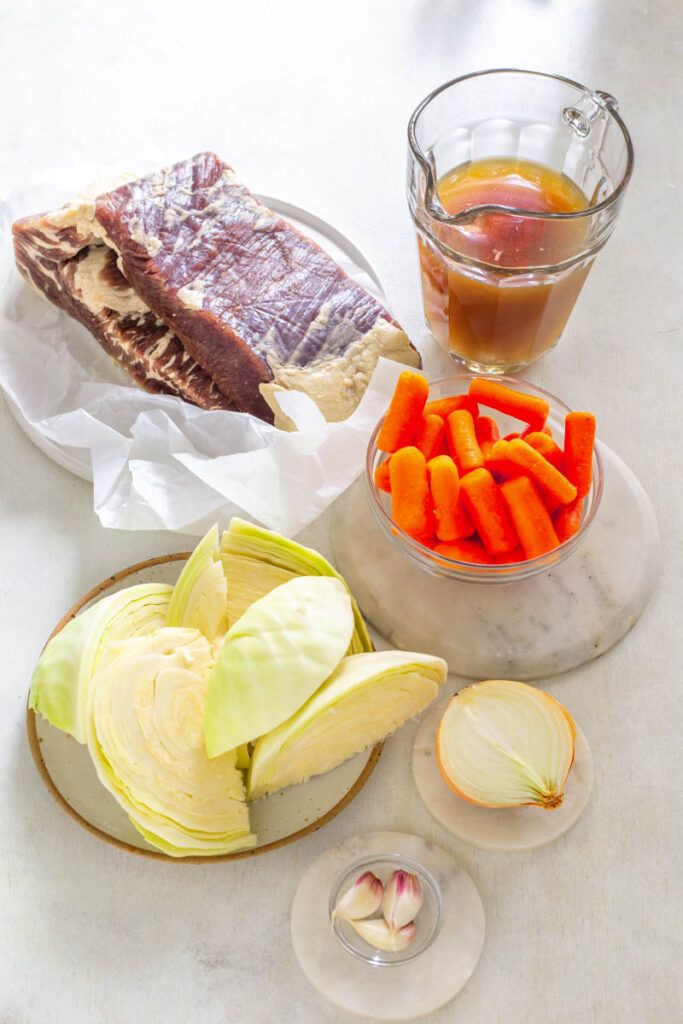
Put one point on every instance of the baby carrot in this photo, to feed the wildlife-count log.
(486, 429)
(462, 523)
(502, 469)
(511, 437)
(444, 484)
(485, 506)
(430, 435)
(530, 430)
(579, 438)
(537, 467)
(551, 502)
(411, 502)
(443, 407)
(527, 408)
(465, 551)
(544, 444)
(512, 556)
(382, 479)
(530, 517)
(462, 441)
(405, 412)
(568, 519)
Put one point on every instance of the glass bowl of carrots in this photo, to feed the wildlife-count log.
(483, 479)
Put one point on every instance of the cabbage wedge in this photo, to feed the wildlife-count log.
(255, 561)
(365, 699)
(199, 598)
(145, 734)
(275, 656)
(61, 680)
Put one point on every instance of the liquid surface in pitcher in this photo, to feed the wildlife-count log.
(496, 316)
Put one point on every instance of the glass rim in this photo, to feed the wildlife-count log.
(476, 572)
(465, 216)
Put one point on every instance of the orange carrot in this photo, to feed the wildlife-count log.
(462, 523)
(538, 468)
(465, 551)
(506, 469)
(579, 438)
(499, 466)
(512, 556)
(462, 441)
(530, 430)
(527, 408)
(405, 412)
(548, 448)
(551, 502)
(485, 506)
(429, 435)
(568, 519)
(443, 407)
(511, 437)
(487, 433)
(530, 517)
(444, 484)
(411, 502)
(382, 478)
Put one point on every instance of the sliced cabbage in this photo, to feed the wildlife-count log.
(145, 733)
(365, 699)
(199, 597)
(170, 723)
(274, 657)
(62, 677)
(256, 561)
(243, 757)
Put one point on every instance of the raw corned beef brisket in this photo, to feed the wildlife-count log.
(90, 287)
(200, 291)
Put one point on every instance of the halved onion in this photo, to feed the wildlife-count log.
(502, 743)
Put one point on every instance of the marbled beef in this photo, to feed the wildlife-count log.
(253, 302)
(91, 288)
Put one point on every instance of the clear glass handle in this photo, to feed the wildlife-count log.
(607, 99)
(589, 108)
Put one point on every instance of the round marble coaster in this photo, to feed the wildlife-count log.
(526, 630)
(401, 991)
(501, 828)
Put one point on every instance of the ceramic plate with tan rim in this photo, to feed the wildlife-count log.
(67, 770)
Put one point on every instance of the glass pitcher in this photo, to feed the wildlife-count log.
(499, 277)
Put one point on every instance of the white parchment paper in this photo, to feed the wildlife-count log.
(155, 461)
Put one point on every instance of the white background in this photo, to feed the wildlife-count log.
(309, 102)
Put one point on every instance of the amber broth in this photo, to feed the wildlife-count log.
(497, 316)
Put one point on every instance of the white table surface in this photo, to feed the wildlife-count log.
(309, 102)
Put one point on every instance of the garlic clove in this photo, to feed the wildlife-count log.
(362, 899)
(503, 743)
(377, 933)
(402, 899)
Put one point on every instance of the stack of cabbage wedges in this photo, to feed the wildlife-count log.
(253, 673)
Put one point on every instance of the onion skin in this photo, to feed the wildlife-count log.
(550, 802)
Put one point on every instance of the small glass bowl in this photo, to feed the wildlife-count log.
(471, 572)
(427, 922)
